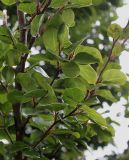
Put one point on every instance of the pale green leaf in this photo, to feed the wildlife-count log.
(8, 2)
(81, 3)
(50, 39)
(88, 73)
(95, 116)
(114, 76)
(29, 8)
(63, 36)
(68, 17)
(114, 30)
(106, 94)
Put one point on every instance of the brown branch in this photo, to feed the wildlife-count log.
(108, 60)
(49, 130)
(46, 133)
(19, 68)
(40, 9)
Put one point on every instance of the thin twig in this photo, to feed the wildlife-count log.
(48, 131)
(108, 60)
(110, 54)
(39, 10)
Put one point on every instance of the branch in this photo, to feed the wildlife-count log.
(110, 53)
(108, 60)
(48, 131)
(40, 9)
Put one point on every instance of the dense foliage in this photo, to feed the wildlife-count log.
(57, 67)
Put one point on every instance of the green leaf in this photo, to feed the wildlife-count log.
(29, 8)
(5, 35)
(125, 33)
(53, 107)
(68, 17)
(81, 3)
(74, 83)
(85, 58)
(55, 21)
(17, 146)
(73, 46)
(8, 2)
(63, 36)
(88, 73)
(58, 3)
(114, 30)
(87, 55)
(70, 69)
(50, 39)
(8, 74)
(4, 31)
(33, 94)
(95, 116)
(35, 24)
(31, 153)
(40, 80)
(106, 94)
(26, 81)
(98, 2)
(3, 97)
(73, 95)
(2, 149)
(15, 96)
(117, 50)
(114, 76)
(48, 57)
(20, 47)
(76, 134)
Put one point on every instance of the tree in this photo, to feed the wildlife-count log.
(49, 100)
